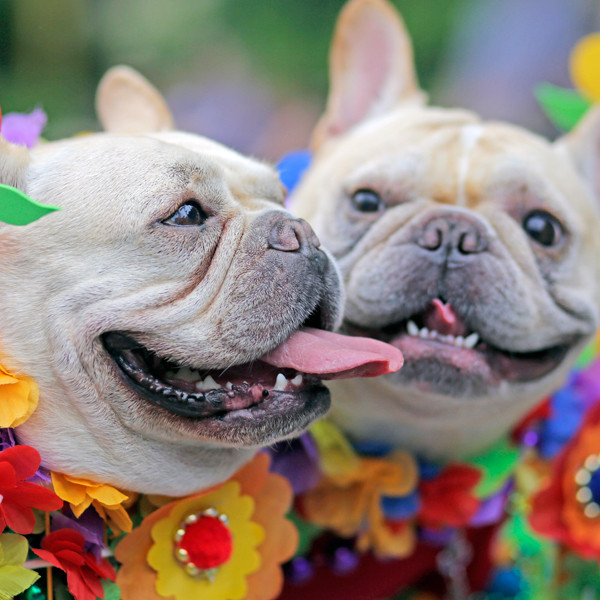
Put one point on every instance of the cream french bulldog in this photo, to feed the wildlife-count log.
(159, 309)
(472, 246)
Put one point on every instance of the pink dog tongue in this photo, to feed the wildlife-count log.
(333, 356)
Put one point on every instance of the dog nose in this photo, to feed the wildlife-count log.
(290, 235)
(457, 232)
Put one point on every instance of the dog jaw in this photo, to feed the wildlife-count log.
(455, 193)
(206, 297)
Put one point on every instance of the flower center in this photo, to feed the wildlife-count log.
(203, 543)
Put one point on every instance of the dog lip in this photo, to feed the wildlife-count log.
(139, 366)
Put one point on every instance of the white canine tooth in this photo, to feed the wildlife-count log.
(459, 340)
(471, 340)
(412, 328)
(297, 381)
(280, 382)
(229, 385)
(208, 384)
(424, 333)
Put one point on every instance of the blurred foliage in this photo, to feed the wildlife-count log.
(53, 52)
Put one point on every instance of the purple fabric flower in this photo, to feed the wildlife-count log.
(89, 524)
(22, 128)
(297, 461)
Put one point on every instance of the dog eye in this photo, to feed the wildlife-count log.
(188, 214)
(543, 228)
(367, 201)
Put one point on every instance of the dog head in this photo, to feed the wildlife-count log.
(143, 306)
(472, 246)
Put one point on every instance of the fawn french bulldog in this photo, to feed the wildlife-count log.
(166, 310)
(472, 246)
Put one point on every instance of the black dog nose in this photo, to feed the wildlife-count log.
(454, 232)
(290, 235)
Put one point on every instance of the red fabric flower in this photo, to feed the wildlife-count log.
(19, 496)
(556, 512)
(65, 550)
(447, 500)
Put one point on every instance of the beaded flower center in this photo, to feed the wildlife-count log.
(588, 481)
(203, 543)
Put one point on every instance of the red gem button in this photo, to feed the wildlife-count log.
(204, 542)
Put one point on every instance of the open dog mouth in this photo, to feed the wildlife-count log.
(439, 335)
(291, 371)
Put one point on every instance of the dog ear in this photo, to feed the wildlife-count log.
(371, 68)
(583, 145)
(13, 163)
(128, 103)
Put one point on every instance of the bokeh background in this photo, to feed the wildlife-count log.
(253, 73)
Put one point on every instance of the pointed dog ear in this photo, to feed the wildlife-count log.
(371, 68)
(583, 146)
(13, 164)
(128, 103)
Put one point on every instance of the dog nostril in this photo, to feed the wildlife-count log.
(470, 242)
(431, 238)
(286, 235)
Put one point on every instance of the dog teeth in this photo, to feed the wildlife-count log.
(297, 381)
(412, 328)
(280, 383)
(468, 342)
(229, 385)
(471, 340)
(207, 384)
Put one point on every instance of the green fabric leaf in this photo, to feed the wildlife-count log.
(111, 591)
(16, 208)
(13, 549)
(562, 106)
(307, 532)
(496, 465)
(14, 580)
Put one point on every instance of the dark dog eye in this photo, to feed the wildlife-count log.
(188, 214)
(543, 228)
(367, 201)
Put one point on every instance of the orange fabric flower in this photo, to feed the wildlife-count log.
(559, 510)
(349, 503)
(259, 501)
(18, 398)
(81, 493)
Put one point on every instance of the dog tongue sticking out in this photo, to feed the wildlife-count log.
(333, 356)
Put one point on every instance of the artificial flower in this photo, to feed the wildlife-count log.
(107, 500)
(567, 509)
(448, 499)
(350, 503)
(89, 524)
(585, 66)
(18, 398)
(14, 577)
(255, 502)
(65, 550)
(24, 128)
(18, 495)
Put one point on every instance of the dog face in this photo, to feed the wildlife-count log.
(471, 246)
(142, 306)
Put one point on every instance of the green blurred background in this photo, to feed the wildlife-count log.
(253, 73)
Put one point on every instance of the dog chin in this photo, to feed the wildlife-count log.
(248, 405)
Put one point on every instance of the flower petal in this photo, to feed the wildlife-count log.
(585, 66)
(19, 518)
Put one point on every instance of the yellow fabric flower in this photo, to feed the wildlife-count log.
(107, 500)
(230, 579)
(18, 398)
(261, 539)
(14, 577)
(349, 503)
(585, 66)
